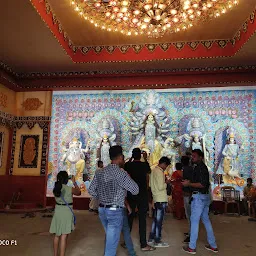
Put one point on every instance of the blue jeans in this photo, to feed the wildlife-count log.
(112, 221)
(127, 235)
(200, 210)
(156, 230)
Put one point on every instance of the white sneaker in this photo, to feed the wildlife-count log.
(151, 242)
(161, 244)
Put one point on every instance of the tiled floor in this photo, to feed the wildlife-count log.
(235, 236)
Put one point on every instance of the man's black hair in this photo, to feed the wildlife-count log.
(136, 154)
(249, 179)
(99, 163)
(165, 160)
(115, 151)
(178, 166)
(185, 160)
(198, 152)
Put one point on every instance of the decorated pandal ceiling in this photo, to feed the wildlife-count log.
(220, 123)
(148, 30)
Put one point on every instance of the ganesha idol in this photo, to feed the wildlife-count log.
(74, 159)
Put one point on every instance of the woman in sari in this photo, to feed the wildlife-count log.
(177, 194)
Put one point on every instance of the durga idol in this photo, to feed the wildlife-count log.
(149, 142)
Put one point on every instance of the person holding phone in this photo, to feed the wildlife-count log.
(63, 219)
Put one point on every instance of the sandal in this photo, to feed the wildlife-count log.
(148, 249)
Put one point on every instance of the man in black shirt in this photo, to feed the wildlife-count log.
(187, 175)
(200, 203)
(139, 173)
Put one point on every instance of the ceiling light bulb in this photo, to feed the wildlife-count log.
(147, 19)
(162, 6)
(124, 9)
(125, 3)
(158, 17)
(173, 12)
(147, 7)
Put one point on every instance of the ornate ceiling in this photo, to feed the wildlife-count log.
(48, 39)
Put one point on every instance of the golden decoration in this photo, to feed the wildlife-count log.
(154, 18)
(32, 104)
(29, 152)
(3, 100)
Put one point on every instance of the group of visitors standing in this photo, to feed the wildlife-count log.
(122, 188)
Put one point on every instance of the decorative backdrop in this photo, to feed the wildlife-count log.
(78, 115)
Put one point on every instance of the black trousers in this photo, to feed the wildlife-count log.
(141, 202)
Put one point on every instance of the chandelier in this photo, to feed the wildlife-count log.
(155, 18)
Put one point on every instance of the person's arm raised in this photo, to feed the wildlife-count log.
(75, 190)
(126, 182)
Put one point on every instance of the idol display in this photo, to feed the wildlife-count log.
(162, 123)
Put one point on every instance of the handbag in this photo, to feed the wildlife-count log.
(74, 217)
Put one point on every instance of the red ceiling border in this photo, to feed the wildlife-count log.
(146, 52)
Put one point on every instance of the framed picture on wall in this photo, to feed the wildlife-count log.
(1, 147)
(28, 156)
